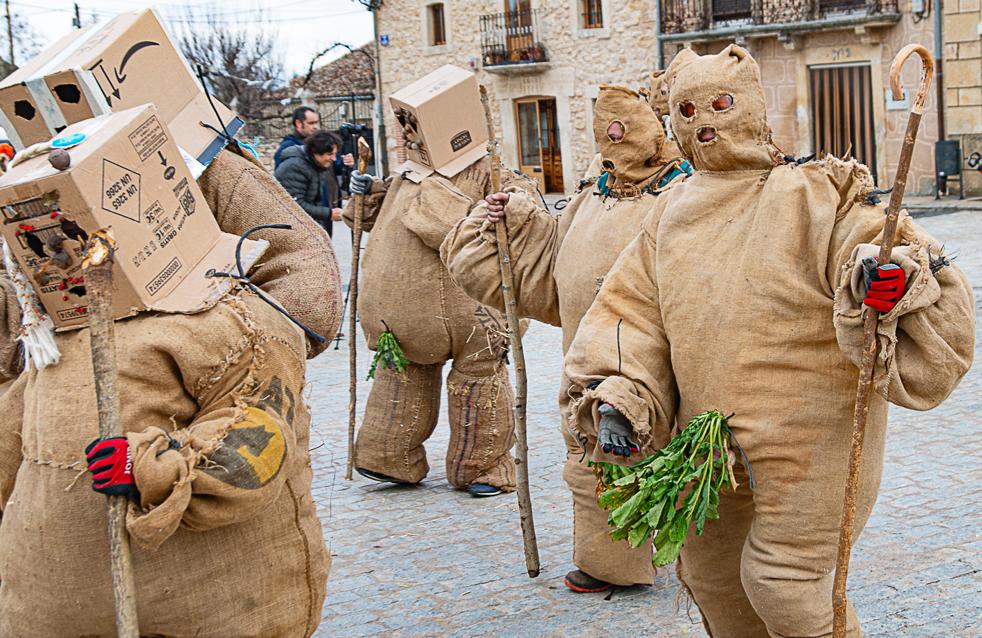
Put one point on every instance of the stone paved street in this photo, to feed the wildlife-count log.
(431, 561)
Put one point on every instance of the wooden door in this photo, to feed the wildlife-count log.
(539, 142)
(518, 28)
(842, 112)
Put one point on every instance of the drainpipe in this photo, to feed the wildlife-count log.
(659, 58)
(938, 59)
(381, 150)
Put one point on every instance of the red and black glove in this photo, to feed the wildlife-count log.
(112, 467)
(884, 285)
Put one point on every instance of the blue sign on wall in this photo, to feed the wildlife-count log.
(384, 39)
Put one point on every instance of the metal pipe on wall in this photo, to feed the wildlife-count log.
(938, 59)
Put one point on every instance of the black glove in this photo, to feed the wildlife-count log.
(615, 434)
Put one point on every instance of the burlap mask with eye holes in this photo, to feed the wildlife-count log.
(718, 111)
(634, 160)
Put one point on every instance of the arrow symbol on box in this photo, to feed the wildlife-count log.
(120, 76)
(115, 89)
(163, 160)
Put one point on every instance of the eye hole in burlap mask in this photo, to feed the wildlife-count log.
(723, 103)
(616, 131)
(688, 111)
(608, 165)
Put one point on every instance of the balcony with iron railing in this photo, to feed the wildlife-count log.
(510, 42)
(695, 20)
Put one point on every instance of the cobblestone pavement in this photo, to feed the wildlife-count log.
(432, 561)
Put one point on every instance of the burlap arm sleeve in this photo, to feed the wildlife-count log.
(233, 459)
(11, 360)
(299, 269)
(927, 342)
(12, 406)
(621, 355)
(370, 204)
(470, 252)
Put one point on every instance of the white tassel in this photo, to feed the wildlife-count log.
(37, 330)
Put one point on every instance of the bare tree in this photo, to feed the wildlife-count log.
(27, 42)
(241, 58)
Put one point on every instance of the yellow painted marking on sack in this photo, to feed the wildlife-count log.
(267, 463)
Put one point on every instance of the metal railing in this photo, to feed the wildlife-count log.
(685, 16)
(511, 37)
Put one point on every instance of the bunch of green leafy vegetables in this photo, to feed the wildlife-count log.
(388, 354)
(666, 493)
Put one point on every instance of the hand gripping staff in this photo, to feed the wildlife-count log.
(98, 269)
(364, 155)
(521, 379)
(869, 330)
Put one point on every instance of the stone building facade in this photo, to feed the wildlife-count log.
(824, 65)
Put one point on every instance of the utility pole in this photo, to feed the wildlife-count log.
(77, 20)
(381, 153)
(10, 32)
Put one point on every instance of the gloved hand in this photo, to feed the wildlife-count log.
(615, 434)
(359, 183)
(111, 465)
(496, 203)
(884, 285)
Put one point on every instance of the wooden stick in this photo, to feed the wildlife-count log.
(518, 354)
(871, 320)
(364, 155)
(98, 269)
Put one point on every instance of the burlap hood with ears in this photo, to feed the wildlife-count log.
(634, 160)
(658, 93)
(718, 111)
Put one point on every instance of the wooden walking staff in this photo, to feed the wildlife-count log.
(869, 330)
(98, 270)
(364, 156)
(518, 353)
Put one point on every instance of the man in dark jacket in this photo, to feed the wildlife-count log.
(307, 174)
(305, 122)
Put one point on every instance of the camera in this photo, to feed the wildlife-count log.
(349, 134)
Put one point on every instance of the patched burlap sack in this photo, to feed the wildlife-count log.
(559, 264)
(299, 268)
(405, 288)
(739, 296)
(225, 540)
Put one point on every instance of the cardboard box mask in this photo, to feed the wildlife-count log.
(127, 174)
(125, 62)
(442, 123)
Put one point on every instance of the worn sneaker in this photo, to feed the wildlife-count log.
(381, 478)
(583, 583)
(481, 490)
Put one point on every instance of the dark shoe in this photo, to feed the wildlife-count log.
(381, 478)
(583, 583)
(481, 490)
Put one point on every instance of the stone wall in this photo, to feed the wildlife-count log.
(963, 85)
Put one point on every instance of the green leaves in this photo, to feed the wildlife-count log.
(388, 354)
(644, 499)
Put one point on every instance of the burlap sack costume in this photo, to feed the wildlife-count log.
(559, 264)
(298, 269)
(740, 295)
(226, 541)
(406, 288)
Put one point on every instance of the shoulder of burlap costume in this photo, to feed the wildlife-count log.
(12, 404)
(238, 360)
(470, 252)
(11, 360)
(927, 342)
(299, 268)
(621, 354)
(371, 205)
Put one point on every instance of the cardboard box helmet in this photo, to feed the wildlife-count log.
(122, 63)
(125, 173)
(442, 122)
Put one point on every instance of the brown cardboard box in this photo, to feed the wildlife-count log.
(126, 174)
(442, 122)
(123, 63)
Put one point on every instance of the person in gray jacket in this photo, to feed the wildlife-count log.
(307, 174)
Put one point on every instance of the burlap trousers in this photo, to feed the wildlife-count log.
(593, 550)
(403, 409)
